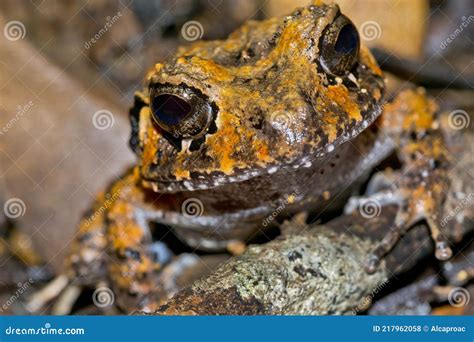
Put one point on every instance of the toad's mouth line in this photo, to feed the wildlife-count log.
(207, 182)
(202, 182)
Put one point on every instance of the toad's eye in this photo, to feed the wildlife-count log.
(170, 109)
(180, 111)
(339, 46)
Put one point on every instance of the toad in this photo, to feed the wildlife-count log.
(285, 114)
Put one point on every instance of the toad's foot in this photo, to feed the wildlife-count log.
(411, 210)
(54, 288)
(420, 187)
(114, 246)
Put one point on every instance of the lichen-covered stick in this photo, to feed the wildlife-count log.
(318, 271)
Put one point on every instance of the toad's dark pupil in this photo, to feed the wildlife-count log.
(347, 40)
(170, 109)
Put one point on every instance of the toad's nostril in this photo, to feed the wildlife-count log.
(170, 109)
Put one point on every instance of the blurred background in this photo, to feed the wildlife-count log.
(64, 64)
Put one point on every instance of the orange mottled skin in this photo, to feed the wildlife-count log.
(278, 120)
(245, 89)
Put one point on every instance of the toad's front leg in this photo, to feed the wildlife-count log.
(421, 186)
(114, 245)
(134, 260)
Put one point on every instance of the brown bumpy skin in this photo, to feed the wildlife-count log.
(421, 188)
(284, 133)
